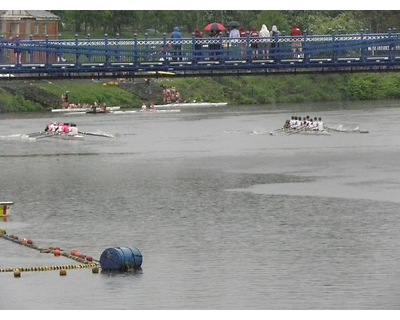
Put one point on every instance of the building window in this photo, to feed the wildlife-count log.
(44, 28)
(36, 29)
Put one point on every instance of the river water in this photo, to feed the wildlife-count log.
(226, 216)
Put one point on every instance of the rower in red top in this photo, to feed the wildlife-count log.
(66, 128)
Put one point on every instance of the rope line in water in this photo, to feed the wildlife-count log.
(85, 263)
(51, 268)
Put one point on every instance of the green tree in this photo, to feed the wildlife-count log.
(378, 21)
(270, 18)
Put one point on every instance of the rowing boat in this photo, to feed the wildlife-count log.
(315, 132)
(127, 112)
(145, 111)
(290, 131)
(191, 104)
(83, 109)
(49, 135)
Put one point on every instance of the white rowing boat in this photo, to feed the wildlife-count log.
(315, 132)
(290, 131)
(83, 109)
(191, 104)
(127, 112)
(145, 111)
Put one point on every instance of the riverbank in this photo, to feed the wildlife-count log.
(44, 95)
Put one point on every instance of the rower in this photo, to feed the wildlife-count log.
(312, 125)
(293, 121)
(66, 128)
(287, 124)
(320, 124)
(60, 128)
(51, 127)
(299, 123)
(73, 130)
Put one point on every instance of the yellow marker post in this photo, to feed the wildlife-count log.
(5, 208)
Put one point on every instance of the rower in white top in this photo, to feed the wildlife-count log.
(73, 130)
(52, 127)
(312, 125)
(320, 124)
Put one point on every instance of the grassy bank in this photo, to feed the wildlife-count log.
(18, 95)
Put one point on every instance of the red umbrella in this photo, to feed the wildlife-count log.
(214, 26)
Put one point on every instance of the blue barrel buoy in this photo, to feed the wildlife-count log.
(121, 259)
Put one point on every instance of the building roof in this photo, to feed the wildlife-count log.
(27, 14)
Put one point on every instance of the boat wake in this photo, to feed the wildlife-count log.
(17, 137)
(251, 132)
(341, 128)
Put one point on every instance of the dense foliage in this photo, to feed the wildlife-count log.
(155, 23)
(18, 95)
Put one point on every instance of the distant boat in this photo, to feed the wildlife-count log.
(191, 104)
(126, 111)
(83, 109)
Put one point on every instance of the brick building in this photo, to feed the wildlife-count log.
(26, 23)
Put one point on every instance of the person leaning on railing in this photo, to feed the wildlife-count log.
(197, 46)
(296, 44)
(264, 44)
(275, 44)
(234, 45)
(177, 46)
(254, 41)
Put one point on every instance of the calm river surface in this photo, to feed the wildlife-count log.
(226, 216)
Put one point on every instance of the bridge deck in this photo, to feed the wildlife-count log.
(198, 56)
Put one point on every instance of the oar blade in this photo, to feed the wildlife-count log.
(105, 135)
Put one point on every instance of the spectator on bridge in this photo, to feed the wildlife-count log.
(177, 46)
(165, 51)
(215, 45)
(275, 44)
(242, 32)
(198, 47)
(234, 33)
(17, 51)
(254, 41)
(243, 35)
(296, 44)
(264, 44)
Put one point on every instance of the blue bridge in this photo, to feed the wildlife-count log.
(212, 56)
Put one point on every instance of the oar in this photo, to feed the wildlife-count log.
(276, 131)
(297, 130)
(97, 134)
(47, 135)
(36, 134)
(40, 135)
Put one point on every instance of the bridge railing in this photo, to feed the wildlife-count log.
(164, 52)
